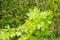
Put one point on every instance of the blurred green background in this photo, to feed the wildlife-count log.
(15, 19)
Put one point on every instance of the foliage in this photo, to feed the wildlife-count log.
(19, 19)
(35, 27)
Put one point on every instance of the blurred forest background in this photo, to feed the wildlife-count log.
(29, 19)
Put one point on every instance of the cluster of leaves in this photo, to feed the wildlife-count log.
(35, 27)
